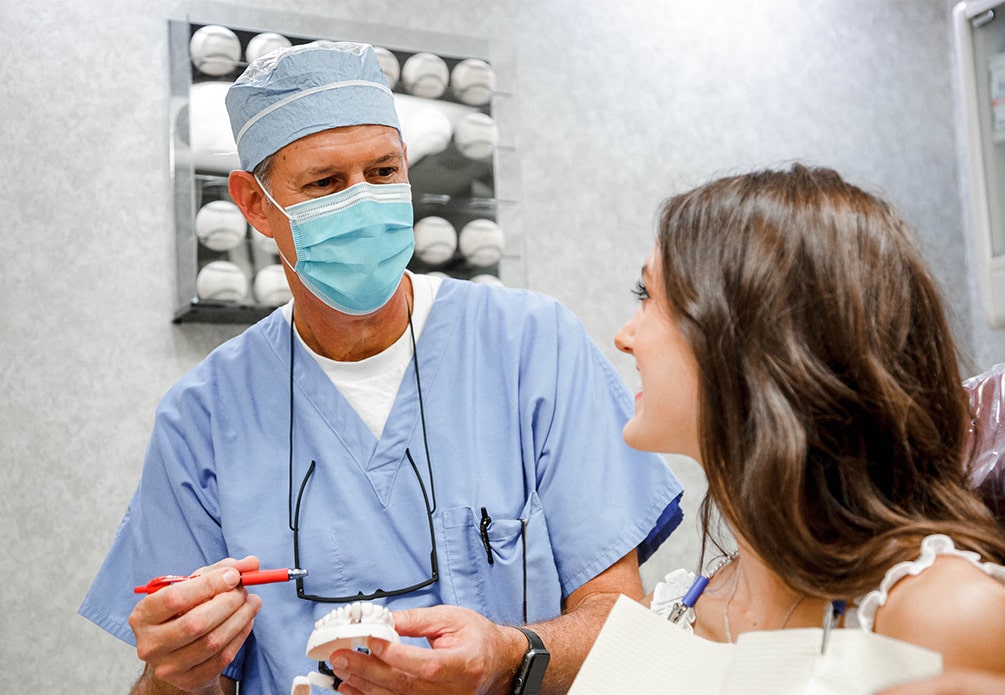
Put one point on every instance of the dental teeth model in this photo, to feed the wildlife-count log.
(348, 627)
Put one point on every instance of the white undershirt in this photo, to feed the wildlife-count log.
(371, 385)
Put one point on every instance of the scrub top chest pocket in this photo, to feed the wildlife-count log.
(521, 577)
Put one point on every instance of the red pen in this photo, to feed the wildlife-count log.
(247, 578)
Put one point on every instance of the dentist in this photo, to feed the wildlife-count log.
(446, 449)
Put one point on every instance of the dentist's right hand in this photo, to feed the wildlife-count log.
(187, 633)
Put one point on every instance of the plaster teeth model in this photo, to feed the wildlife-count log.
(350, 627)
(302, 685)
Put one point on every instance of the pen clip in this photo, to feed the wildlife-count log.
(158, 583)
(835, 609)
(484, 530)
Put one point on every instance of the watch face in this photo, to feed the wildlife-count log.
(531, 675)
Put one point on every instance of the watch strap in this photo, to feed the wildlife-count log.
(533, 640)
(531, 671)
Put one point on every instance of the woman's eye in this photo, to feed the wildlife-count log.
(640, 291)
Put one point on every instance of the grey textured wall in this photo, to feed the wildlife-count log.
(620, 105)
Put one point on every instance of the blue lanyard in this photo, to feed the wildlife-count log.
(690, 598)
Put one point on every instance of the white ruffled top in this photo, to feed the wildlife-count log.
(669, 593)
(864, 616)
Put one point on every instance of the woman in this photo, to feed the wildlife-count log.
(790, 339)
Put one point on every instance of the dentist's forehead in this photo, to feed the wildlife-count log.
(293, 92)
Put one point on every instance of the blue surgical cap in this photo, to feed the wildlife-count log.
(293, 92)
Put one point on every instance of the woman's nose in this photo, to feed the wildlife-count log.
(623, 338)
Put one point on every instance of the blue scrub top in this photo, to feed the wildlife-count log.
(523, 416)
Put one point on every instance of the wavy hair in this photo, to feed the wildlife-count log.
(832, 415)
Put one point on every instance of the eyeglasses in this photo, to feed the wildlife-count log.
(294, 511)
(434, 573)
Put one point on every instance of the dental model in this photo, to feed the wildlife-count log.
(348, 627)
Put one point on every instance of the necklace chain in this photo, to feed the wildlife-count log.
(729, 600)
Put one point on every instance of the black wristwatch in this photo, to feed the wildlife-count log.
(530, 675)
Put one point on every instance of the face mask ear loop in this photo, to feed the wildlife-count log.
(280, 208)
(271, 199)
(283, 258)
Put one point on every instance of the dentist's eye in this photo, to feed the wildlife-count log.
(640, 291)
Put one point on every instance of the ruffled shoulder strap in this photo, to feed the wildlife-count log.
(931, 547)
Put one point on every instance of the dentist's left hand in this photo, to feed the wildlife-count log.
(470, 654)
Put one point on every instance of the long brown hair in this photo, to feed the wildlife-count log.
(832, 415)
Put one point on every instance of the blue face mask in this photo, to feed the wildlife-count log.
(353, 246)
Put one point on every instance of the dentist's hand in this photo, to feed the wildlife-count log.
(469, 654)
(189, 632)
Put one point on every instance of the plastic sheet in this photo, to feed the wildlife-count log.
(987, 467)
